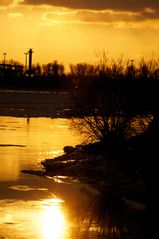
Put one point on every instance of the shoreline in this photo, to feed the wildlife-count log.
(108, 173)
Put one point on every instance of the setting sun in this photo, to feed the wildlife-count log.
(53, 221)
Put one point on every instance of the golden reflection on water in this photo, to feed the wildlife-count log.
(53, 220)
(23, 145)
(41, 219)
(10, 168)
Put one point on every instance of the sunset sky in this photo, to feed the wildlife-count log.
(72, 31)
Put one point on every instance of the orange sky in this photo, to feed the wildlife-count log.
(76, 31)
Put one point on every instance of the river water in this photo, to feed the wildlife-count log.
(51, 208)
(33, 206)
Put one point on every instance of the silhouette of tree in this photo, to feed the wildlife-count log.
(53, 70)
(37, 70)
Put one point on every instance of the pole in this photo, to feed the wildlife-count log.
(26, 53)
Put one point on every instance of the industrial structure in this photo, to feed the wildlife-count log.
(10, 71)
(13, 71)
(30, 70)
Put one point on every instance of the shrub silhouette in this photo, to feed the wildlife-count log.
(109, 98)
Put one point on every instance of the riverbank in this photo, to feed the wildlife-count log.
(119, 172)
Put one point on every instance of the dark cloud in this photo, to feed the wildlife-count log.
(121, 5)
(98, 16)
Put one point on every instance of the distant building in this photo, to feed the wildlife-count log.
(11, 71)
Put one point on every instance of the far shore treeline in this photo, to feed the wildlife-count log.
(53, 75)
(139, 81)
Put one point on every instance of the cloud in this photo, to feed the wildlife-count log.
(102, 17)
(91, 11)
(111, 16)
(100, 11)
(118, 5)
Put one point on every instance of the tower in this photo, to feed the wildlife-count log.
(30, 61)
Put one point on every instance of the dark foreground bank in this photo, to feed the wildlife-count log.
(120, 172)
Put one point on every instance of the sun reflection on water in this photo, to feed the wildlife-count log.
(53, 219)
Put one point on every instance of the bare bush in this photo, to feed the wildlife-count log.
(109, 103)
(102, 116)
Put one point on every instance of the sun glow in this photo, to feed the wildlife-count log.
(53, 221)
